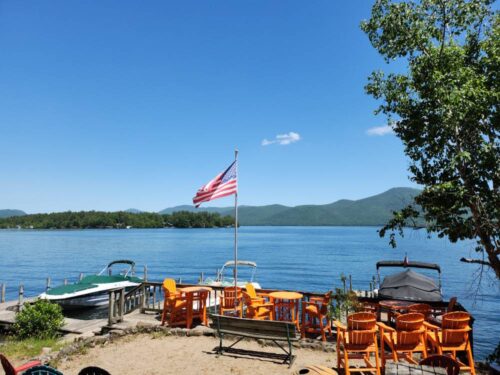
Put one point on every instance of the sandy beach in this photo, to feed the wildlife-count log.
(149, 354)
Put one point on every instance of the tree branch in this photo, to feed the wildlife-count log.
(477, 261)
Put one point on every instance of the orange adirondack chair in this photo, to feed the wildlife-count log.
(358, 341)
(231, 300)
(257, 309)
(250, 289)
(199, 307)
(453, 337)
(11, 370)
(406, 339)
(174, 305)
(315, 316)
(421, 308)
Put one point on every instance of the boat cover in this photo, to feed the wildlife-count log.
(410, 286)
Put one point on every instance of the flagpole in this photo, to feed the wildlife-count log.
(236, 229)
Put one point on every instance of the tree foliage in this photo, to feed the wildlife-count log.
(121, 219)
(445, 110)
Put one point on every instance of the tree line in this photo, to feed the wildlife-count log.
(117, 220)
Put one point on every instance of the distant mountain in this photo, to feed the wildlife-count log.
(375, 210)
(133, 211)
(10, 213)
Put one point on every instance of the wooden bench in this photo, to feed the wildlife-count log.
(257, 329)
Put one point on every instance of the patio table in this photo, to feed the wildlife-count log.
(286, 306)
(197, 297)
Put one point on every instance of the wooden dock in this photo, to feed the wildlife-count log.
(71, 325)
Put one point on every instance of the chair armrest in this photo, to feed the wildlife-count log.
(340, 325)
(430, 326)
(27, 365)
(267, 304)
(385, 327)
(316, 299)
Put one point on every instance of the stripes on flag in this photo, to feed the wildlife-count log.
(224, 184)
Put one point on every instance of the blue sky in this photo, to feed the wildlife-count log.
(116, 104)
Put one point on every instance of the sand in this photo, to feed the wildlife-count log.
(149, 354)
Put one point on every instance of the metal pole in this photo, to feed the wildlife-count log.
(80, 278)
(236, 228)
(47, 285)
(21, 296)
(145, 277)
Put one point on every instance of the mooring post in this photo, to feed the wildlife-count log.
(350, 283)
(111, 308)
(2, 297)
(21, 296)
(145, 277)
(80, 278)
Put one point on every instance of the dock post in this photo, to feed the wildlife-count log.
(350, 283)
(144, 298)
(47, 284)
(111, 308)
(80, 278)
(65, 281)
(21, 296)
(2, 297)
(122, 305)
(145, 277)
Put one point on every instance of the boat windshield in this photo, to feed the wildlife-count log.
(246, 272)
(122, 267)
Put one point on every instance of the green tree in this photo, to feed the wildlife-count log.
(445, 110)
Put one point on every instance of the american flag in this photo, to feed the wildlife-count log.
(224, 184)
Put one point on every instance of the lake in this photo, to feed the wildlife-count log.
(304, 258)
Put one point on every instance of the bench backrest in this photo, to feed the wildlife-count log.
(269, 328)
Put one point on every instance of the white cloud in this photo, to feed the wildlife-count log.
(282, 139)
(380, 130)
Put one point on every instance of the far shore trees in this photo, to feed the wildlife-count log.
(445, 110)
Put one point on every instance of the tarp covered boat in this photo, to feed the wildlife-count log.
(409, 285)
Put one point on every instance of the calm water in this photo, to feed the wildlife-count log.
(305, 258)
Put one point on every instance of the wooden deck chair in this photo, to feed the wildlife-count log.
(250, 289)
(231, 300)
(421, 308)
(9, 369)
(174, 305)
(358, 341)
(256, 308)
(453, 337)
(438, 318)
(408, 338)
(315, 316)
(452, 367)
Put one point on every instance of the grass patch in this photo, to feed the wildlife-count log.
(28, 348)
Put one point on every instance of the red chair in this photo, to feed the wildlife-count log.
(11, 370)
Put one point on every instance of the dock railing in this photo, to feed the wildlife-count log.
(148, 297)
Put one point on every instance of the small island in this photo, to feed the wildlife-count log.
(116, 220)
